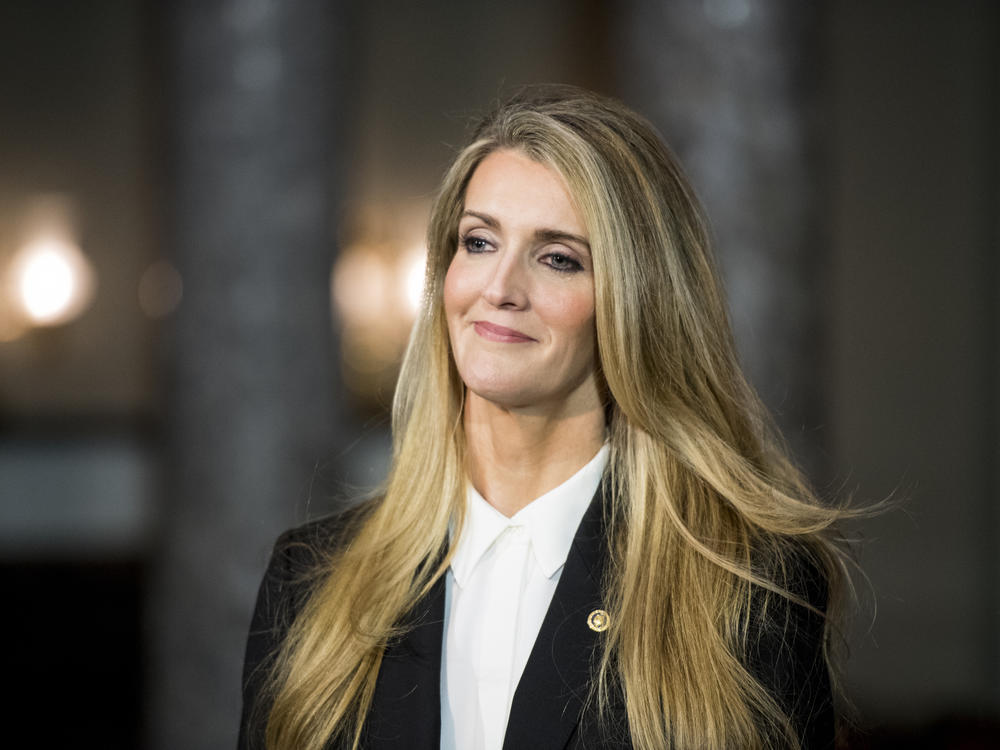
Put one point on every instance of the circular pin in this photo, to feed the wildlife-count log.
(598, 620)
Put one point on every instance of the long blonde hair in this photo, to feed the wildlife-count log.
(707, 517)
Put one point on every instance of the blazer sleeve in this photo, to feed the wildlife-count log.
(272, 615)
(297, 561)
(788, 659)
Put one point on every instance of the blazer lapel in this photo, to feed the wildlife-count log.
(406, 707)
(555, 683)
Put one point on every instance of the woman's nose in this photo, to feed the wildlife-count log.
(507, 286)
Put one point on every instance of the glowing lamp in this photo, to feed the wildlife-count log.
(377, 289)
(414, 267)
(52, 280)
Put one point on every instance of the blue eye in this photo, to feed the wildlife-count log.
(560, 262)
(473, 244)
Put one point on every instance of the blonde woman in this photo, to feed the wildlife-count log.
(589, 538)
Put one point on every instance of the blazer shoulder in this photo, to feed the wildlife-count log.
(298, 551)
(787, 654)
(299, 561)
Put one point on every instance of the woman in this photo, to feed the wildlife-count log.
(589, 536)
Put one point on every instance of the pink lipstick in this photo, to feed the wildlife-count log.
(493, 332)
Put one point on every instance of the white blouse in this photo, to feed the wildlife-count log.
(497, 590)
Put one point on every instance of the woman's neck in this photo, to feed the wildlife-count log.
(515, 457)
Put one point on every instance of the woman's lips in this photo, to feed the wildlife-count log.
(493, 332)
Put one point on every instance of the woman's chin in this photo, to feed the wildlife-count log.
(502, 395)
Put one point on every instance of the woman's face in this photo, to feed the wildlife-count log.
(519, 293)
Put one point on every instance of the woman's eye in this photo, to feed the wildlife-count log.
(475, 244)
(561, 262)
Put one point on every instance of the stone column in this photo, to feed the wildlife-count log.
(252, 403)
(733, 86)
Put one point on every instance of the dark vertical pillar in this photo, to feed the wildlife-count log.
(252, 407)
(732, 84)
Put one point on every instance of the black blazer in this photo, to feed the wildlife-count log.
(547, 712)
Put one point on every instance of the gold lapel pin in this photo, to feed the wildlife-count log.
(598, 620)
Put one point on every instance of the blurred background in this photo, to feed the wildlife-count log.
(211, 220)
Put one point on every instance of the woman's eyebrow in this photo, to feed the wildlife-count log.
(555, 235)
(542, 235)
(485, 218)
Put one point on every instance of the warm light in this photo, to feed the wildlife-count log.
(377, 289)
(53, 281)
(413, 278)
(359, 286)
(47, 285)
